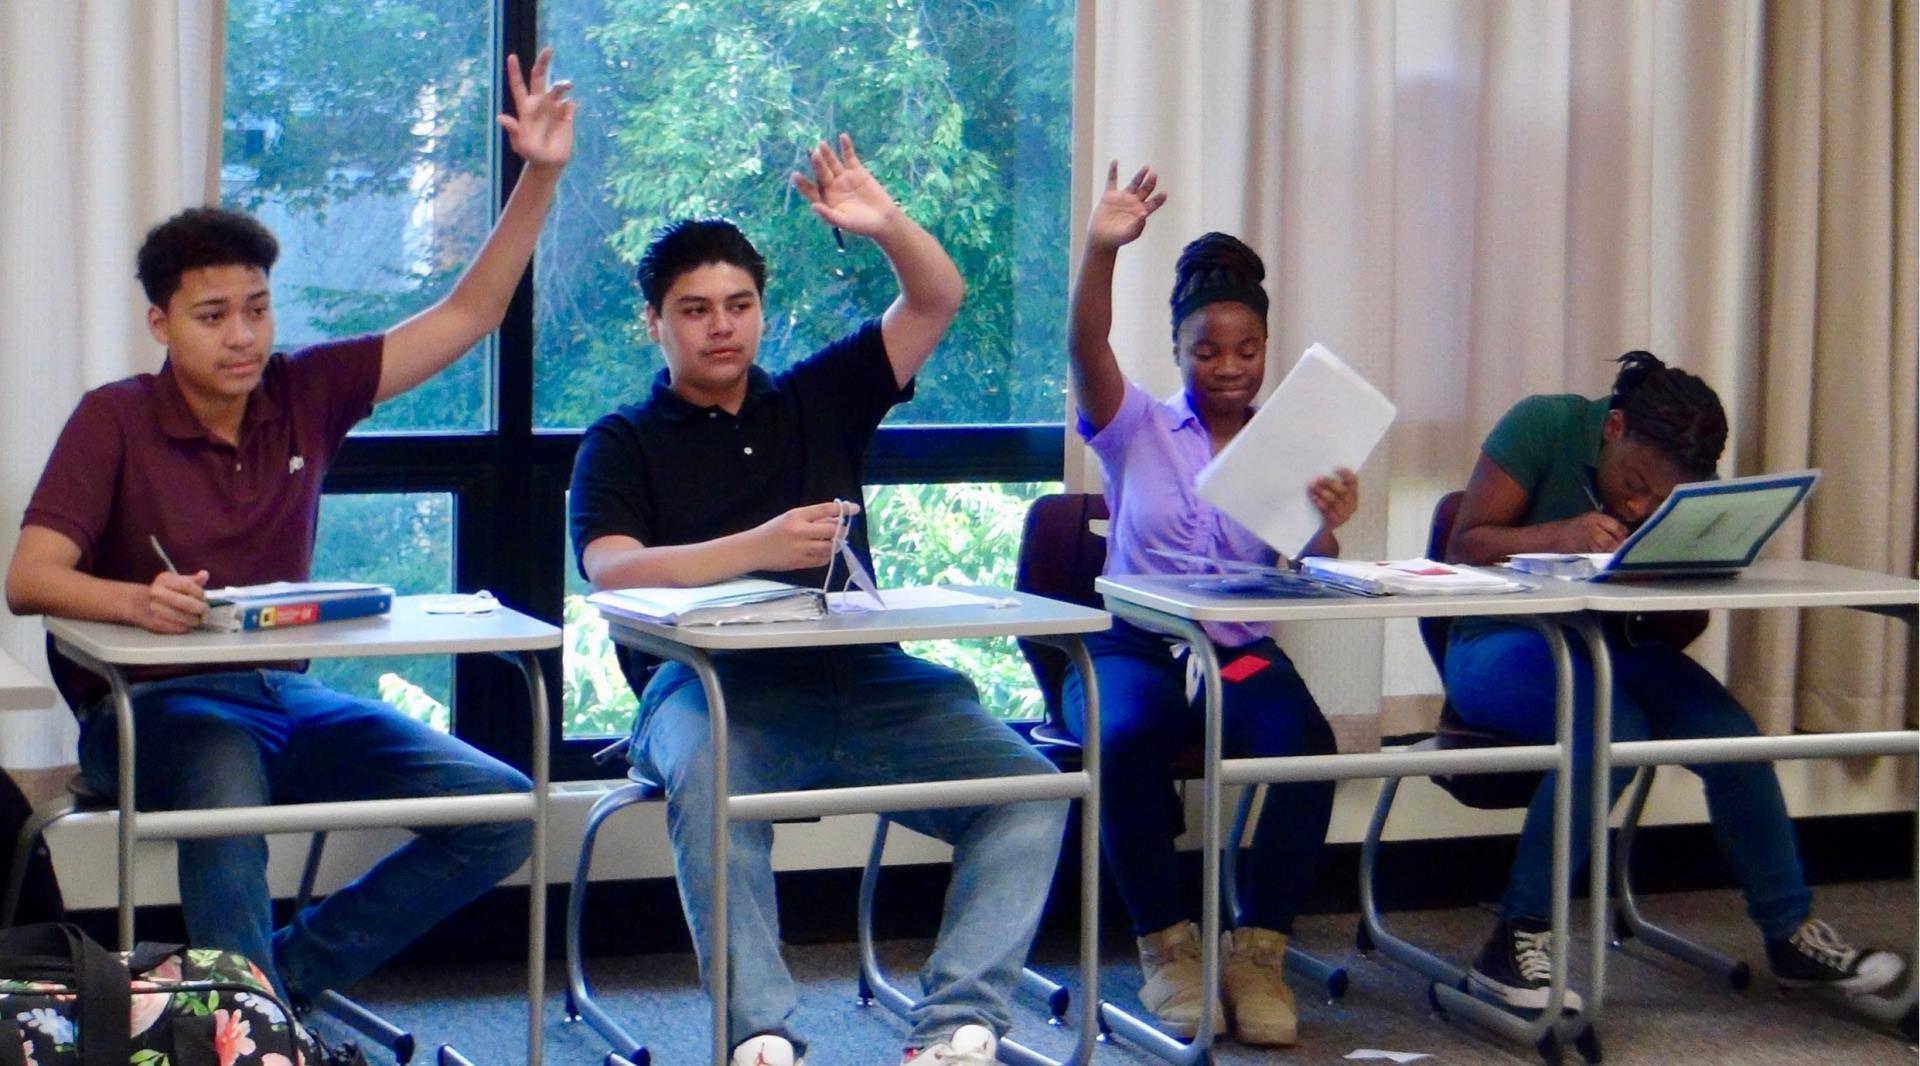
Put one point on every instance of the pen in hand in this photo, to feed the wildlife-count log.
(162, 553)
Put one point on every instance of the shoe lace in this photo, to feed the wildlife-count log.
(1531, 956)
(1818, 941)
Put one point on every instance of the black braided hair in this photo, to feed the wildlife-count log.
(1672, 410)
(1213, 268)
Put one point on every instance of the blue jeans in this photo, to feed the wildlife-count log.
(256, 737)
(1147, 721)
(1501, 679)
(838, 717)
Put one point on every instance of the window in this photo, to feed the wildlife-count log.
(403, 540)
(961, 107)
(362, 134)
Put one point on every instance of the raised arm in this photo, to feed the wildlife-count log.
(541, 132)
(846, 195)
(1119, 218)
(800, 539)
(1489, 527)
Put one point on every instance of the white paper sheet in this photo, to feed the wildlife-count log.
(1323, 415)
(1388, 1056)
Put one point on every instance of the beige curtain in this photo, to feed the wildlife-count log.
(109, 122)
(1836, 353)
(1475, 201)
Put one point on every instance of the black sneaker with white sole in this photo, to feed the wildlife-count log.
(1817, 957)
(1516, 966)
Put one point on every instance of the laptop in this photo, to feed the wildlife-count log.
(1708, 527)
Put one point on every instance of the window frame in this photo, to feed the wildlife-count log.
(509, 484)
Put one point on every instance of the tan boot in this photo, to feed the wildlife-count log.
(1170, 959)
(1258, 999)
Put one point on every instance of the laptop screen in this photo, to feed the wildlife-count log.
(1714, 525)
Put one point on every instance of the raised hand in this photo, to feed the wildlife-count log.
(1121, 214)
(843, 192)
(541, 126)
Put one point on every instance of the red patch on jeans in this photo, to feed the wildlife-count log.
(1242, 668)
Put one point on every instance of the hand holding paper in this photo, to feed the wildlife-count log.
(1324, 416)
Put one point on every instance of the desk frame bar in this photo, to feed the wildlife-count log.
(1218, 771)
(180, 825)
(1607, 754)
(869, 799)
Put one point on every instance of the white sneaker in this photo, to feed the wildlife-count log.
(970, 1045)
(766, 1050)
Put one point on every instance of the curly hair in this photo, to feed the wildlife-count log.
(197, 238)
(1213, 268)
(1671, 410)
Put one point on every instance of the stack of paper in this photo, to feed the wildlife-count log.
(1324, 415)
(1406, 577)
(1574, 565)
(727, 603)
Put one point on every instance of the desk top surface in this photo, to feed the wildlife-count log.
(1184, 596)
(407, 630)
(1769, 583)
(20, 690)
(1773, 583)
(1030, 616)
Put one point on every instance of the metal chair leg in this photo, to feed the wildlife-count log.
(580, 999)
(31, 832)
(1628, 919)
(363, 1021)
(1299, 962)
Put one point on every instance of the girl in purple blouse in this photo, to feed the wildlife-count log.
(1150, 452)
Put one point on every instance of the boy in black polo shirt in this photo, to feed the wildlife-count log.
(726, 470)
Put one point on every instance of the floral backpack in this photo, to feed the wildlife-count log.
(67, 1001)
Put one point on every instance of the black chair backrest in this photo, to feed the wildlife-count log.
(1433, 631)
(1060, 556)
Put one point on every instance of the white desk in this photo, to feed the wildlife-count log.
(1173, 605)
(20, 690)
(107, 649)
(1771, 584)
(1034, 618)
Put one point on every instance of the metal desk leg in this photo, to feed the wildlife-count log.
(874, 983)
(529, 663)
(1547, 1032)
(127, 826)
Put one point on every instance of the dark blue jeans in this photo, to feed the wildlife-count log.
(1501, 679)
(1147, 721)
(267, 736)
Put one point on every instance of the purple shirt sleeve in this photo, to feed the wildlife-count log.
(1111, 440)
(75, 495)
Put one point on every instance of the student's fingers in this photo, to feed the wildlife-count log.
(516, 85)
(806, 187)
(510, 124)
(825, 163)
(1113, 175)
(1146, 187)
(1133, 183)
(1154, 203)
(830, 510)
(1347, 477)
(537, 77)
(560, 89)
(846, 151)
(170, 604)
(192, 587)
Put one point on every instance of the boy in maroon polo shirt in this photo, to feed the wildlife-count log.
(220, 458)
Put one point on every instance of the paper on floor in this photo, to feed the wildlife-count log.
(1388, 1056)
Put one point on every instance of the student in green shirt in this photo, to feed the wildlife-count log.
(1566, 473)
